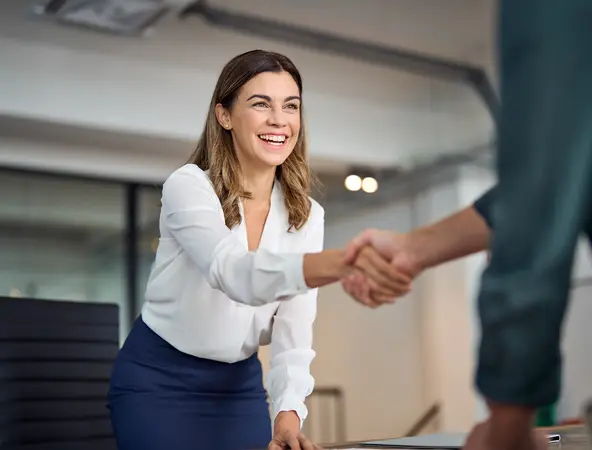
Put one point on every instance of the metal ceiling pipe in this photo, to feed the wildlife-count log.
(407, 60)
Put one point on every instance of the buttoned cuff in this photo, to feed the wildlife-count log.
(290, 403)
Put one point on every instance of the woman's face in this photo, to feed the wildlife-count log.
(264, 119)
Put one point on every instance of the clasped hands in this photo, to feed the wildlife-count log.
(380, 267)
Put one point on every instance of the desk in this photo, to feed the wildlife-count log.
(572, 438)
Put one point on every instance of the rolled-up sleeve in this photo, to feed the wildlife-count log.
(484, 206)
(289, 380)
(191, 213)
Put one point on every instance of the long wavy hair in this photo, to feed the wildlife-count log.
(215, 150)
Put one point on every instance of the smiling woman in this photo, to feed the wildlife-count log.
(239, 258)
(255, 120)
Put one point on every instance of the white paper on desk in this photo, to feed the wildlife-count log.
(442, 441)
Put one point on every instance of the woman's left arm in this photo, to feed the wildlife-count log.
(289, 381)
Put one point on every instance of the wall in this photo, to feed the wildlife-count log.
(474, 181)
(448, 313)
(577, 369)
(374, 355)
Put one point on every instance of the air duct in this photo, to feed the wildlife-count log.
(122, 17)
(401, 59)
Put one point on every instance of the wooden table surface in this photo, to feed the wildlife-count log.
(573, 437)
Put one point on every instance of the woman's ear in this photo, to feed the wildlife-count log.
(223, 117)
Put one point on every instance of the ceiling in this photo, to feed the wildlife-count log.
(456, 29)
(459, 30)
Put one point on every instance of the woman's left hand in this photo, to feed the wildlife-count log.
(287, 435)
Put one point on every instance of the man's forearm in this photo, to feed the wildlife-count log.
(456, 236)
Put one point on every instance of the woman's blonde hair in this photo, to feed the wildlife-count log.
(215, 151)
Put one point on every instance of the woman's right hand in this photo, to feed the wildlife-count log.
(374, 280)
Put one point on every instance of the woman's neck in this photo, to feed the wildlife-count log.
(259, 183)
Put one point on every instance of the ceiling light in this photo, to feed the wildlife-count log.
(369, 185)
(353, 183)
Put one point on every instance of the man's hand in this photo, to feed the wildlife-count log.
(386, 243)
(374, 280)
(394, 249)
(483, 437)
(287, 435)
(509, 427)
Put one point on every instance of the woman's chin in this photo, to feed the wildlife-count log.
(273, 160)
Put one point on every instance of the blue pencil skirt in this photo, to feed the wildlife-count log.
(163, 399)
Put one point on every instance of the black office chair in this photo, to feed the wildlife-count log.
(55, 364)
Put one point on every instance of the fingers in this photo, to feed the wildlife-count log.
(358, 287)
(293, 442)
(305, 443)
(354, 246)
(386, 279)
(367, 292)
(273, 445)
(385, 267)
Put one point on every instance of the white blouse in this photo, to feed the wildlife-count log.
(208, 296)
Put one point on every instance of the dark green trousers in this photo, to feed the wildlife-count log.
(543, 201)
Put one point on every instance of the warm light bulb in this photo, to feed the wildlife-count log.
(369, 185)
(14, 292)
(353, 183)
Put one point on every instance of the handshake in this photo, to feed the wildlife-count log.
(379, 267)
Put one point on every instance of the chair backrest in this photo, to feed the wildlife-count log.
(55, 364)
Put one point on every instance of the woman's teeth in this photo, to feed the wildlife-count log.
(273, 139)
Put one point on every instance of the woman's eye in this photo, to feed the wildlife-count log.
(292, 106)
(260, 104)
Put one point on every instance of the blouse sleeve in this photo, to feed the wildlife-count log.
(289, 380)
(191, 213)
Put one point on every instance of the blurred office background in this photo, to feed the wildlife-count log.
(402, 107)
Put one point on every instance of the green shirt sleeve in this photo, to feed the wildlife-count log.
(484, 206)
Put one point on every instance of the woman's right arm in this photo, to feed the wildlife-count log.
(192, 214)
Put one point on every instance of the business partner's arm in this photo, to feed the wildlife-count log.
(460, 234)
(191, 213)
